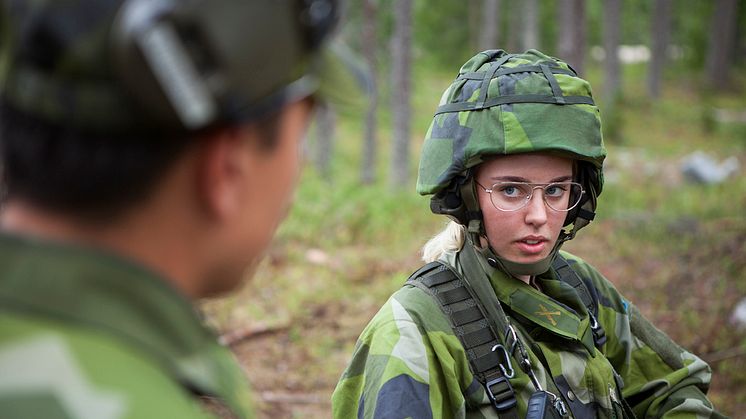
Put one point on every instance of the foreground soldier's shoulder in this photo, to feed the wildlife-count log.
(91, 372)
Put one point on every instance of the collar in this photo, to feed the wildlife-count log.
(557, 309)
(94, 289)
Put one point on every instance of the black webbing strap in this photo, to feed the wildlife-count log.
(503, 100)
(487, 77)
(556, 90)
(469, 324)
(495, 71)
(588, 215)
(479, 75)
(567, 274)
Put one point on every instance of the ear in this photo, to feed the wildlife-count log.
(221, 171)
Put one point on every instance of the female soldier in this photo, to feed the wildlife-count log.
(501, 323)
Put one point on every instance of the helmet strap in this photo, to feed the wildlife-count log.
(516, 269)
(474, 224)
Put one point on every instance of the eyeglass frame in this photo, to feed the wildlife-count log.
(530, 195)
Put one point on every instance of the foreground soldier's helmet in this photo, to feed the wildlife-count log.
(502, 104)
(166, 65)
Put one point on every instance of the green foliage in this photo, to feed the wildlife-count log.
(690, 30)
(441, 32)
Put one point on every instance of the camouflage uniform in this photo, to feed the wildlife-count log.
(84, 334)
(409, 363)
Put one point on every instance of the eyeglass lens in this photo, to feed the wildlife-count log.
(511, 196)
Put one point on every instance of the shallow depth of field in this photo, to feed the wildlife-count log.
(676, 249)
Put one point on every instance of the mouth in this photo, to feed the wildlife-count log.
(532, 245)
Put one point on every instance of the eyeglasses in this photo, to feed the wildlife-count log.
(512, 196)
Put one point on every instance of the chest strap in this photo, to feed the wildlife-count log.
(489, 360)
(587, 293)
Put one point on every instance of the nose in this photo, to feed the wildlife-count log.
(536, 210)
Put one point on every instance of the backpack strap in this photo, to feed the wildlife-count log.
(588, 295)
(488, 358)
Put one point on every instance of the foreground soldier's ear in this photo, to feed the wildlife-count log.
(221, 164)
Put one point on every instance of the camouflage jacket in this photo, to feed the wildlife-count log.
(84, 334)
(408, 362)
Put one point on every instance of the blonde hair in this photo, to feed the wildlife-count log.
(451, 239)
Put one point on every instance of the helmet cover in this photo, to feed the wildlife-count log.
(501, 104)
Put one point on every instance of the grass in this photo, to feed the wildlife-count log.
(675, 249)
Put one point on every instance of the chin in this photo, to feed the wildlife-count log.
(227, 281)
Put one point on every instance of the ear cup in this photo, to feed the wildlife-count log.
(587, 175)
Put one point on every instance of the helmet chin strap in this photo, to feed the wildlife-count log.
(517, 269)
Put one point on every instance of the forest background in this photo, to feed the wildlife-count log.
(674, 246)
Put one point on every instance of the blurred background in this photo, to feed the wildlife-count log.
(671, 227)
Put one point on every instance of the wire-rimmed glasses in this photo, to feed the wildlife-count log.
(512, 196)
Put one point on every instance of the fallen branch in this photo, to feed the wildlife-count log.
(239, 335)
(292, 398)
(715, 357)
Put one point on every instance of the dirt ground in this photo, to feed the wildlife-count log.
(288, 378)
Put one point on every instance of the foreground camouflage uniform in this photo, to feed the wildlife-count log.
(111, 112)
(106, 339)
(409, 363)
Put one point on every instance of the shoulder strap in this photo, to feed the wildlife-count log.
(488, 358)
(588, 295)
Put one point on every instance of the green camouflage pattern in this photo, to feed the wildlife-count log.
(548, 109)
(408, 362)
(84, 334)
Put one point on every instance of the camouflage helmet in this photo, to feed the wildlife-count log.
(166, 65)
(501, 104)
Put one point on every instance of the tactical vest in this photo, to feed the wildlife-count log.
(488, 338)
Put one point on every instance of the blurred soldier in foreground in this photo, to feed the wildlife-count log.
(500, 322)
(149, 150)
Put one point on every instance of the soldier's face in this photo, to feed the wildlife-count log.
(528, 234)
(260, 191)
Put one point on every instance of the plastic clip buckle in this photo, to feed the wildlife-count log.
(503, 396)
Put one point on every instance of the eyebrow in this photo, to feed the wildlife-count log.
(522, 179)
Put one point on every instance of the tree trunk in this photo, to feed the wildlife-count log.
(722, 42)
(488, 34)
(571, 38)
(530, 38)
(514, 26)
(325, 127)
(660, 30)
(612, 13)
(400, 84)
(368, 171)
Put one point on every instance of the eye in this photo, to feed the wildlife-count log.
(512, 190)
(555, 190)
